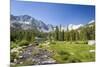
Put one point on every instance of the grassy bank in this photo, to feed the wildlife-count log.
(67, 52)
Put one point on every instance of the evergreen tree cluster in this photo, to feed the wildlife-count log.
(83, 34)
(28, 35)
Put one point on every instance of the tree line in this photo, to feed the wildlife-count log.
(81, 34)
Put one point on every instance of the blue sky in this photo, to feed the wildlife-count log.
(54, 14)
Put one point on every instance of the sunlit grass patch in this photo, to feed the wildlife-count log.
(66, 52)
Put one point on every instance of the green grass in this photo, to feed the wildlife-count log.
(66, 52)
(63, 51)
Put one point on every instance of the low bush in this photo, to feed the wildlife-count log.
(81, 42)
(23, 43)
(62, 52)
(13, 45)
(53, 43)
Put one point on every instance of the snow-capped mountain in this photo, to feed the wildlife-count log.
(26, 22)
(74, 27)
(77, 26)
(92, 21)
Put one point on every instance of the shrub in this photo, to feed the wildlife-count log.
(81, 42)
(53, 42)
(23, 43)
(17, 41)
(13, 45)
(73, 59)
(62, 52)
(41, 46)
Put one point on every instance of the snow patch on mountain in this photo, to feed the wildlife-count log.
(74, 27)
(92, 21)
(27, 22)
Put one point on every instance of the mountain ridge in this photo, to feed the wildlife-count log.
(26, 22)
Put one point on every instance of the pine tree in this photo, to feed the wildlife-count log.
(63, 35)
(57, 33)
